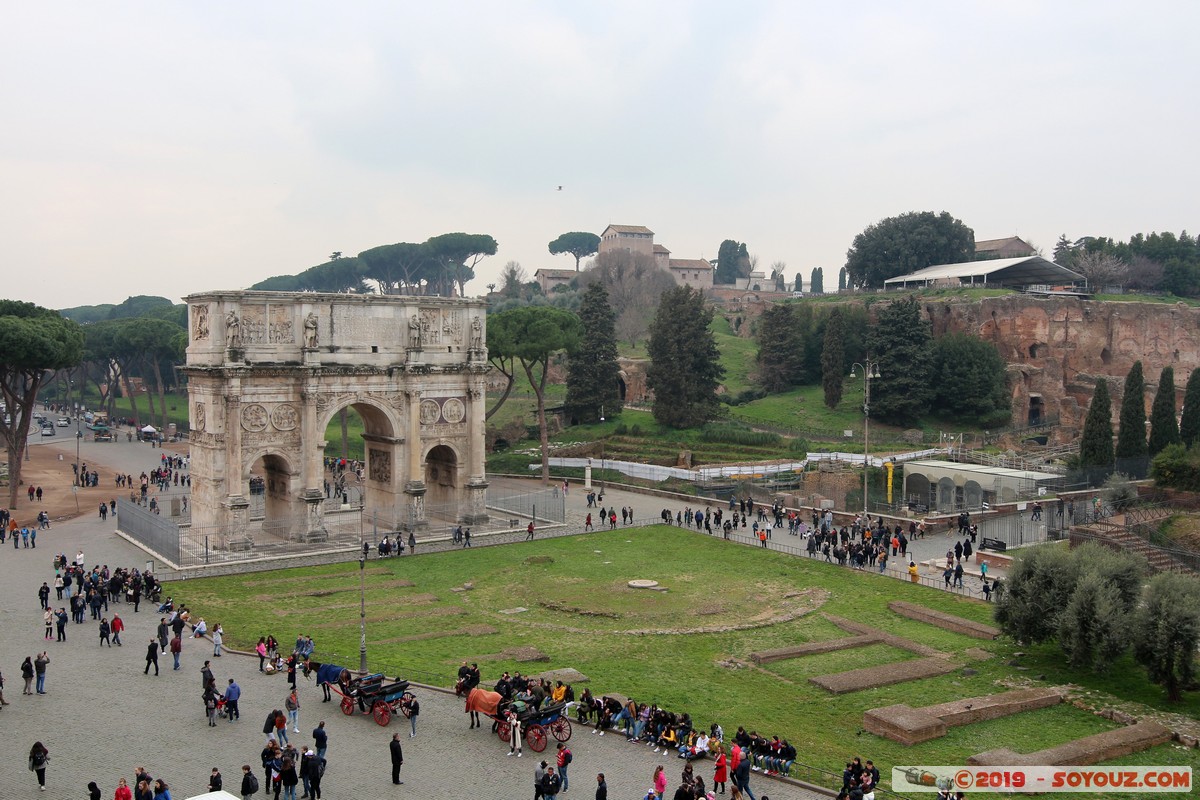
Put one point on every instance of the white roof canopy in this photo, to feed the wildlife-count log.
(1002, 271)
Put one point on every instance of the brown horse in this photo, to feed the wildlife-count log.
(479, 700)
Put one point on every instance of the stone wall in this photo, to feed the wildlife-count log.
(1057, 348)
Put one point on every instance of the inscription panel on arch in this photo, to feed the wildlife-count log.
(352, 326)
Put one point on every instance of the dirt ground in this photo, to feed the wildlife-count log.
(50, 468)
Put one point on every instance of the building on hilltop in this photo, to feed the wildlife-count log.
(550, 279)
(662, 257)
(635, 238)
(1011, 247)
(694, 272)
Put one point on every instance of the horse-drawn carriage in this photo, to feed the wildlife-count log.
(370, 694)
(536, 722)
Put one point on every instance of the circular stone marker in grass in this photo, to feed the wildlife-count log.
(643, 584)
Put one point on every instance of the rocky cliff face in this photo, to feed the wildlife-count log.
(1057, 348)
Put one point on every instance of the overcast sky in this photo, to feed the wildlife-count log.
(170, 147)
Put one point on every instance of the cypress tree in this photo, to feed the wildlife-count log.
(1131, 435)
(592, 373)
(901, 341)
(833, 358)
(1189, 424)
(842, 279)
(817, 283)
(780, 349)
(685, 365)
(1096, 444)
(1164, 429)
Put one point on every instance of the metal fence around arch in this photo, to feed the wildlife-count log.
(166, 529)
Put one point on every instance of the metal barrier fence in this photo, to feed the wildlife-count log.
(156, 533)
(345, 527)
(1019, 528)
(542, 506)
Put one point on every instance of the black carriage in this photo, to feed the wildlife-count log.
(374, 695)
(537, 722)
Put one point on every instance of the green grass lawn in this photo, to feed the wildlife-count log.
(737, 355)
(582, 615)
(177, 407)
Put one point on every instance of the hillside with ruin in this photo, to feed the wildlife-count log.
(1057, 348)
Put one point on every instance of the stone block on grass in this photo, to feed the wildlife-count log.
(883, 675)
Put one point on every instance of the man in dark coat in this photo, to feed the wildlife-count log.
(551, 783)
(397, 759)
(313, 771)
(151, 657)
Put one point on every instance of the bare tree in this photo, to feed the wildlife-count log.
(750, 265)
(1145, 274)
(512, 278)
(1101, 269)
(635, 284)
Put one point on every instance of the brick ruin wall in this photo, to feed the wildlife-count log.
(1057, 348)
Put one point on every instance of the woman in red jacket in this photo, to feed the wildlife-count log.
(721, 773)
(123, 791)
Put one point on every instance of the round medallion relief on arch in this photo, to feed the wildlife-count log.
(254, 417)
(453, 411)
(431, 412)
(284, 417)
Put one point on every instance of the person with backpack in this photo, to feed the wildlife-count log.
(249, 782)
(313, 772)
(39, 756)
(564, 760)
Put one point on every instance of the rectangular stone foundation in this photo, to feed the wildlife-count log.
(940, 619)
(910, 726)
(903, 724)
(1082, 752)
(814, 648)
(884, 675)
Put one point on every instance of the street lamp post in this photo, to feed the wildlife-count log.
(78, 436)
(603, 442)
(870, 371)
(362, 598)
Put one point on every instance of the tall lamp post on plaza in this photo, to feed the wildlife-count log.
(362, 597)
(602, 443)
(870, 372)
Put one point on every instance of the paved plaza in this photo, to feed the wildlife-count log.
(101, 716)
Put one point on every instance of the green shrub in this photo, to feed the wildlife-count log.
(1121, 492)
(798, 447)
(743, 397)
(636, 430)
(621, 429)
(1177, 468)
(730, 433)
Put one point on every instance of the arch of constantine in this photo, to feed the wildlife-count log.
(268, 371)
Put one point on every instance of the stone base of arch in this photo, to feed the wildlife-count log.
(476, 511)
(416, 521)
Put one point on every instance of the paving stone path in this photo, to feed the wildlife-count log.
(102, 717)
